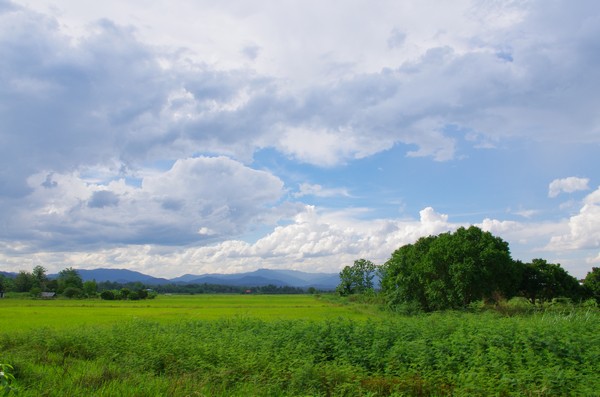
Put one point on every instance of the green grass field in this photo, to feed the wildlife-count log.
(28, 314)
(295, 345)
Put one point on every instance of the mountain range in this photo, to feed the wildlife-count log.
(257, 278)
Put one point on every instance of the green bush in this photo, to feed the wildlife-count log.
(107, 295)
(73, 292)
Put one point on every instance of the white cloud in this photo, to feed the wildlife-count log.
(567, 185)
(93, 96)
(204, 197)
(313, 242)
(584, 228)
(307, 189)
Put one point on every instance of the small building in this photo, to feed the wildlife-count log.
(48, 295)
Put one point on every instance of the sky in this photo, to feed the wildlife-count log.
(192, 137)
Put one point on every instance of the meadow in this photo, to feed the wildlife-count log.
(300, 345)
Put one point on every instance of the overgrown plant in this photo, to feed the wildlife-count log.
(6, 380)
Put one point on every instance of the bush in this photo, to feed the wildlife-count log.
(35, 292)
(73, 292)
(107, 295)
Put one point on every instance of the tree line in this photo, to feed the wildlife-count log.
(69, 284)
(453, 270)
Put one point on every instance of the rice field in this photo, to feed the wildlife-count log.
(27, 314)
(294, 345)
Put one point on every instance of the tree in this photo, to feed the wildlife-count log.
(107, 295)
(69, 278)
(450, 270)
(124, 293)
(73, 292)
(90, 288)
(39, 277)
(142, 293)
(23, 281)
(357, 279)
(592, 283)
(542, 281)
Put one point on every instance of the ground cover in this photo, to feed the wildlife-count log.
(25, 314)
(546, 353)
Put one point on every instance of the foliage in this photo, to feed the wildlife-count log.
(23, 281)
(542, 282)
(39, 277)
(69, 278)
(3, 283)
(450, 270)
(107, 295)
(447, 353)
(357, 279)
(90, 288)
(35, 292)
(73, 292)
(592, 283)
(6, 380)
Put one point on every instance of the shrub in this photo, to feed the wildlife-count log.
(107, 295)
(73, 292)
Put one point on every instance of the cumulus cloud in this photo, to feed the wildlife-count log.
(584, 227)
(107, 94)
(92, 108)
(197, 198)
(567, 185)
(313, 241)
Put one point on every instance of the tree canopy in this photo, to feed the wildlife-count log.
(358, 278)
(450, 270)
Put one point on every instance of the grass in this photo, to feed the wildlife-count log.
(300, 345)
(26, 314)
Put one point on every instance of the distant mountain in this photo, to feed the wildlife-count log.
(261, 277)
(120, 276)
(257, 278)
(8, 274)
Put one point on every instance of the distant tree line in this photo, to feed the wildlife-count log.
(453, 270)
(69, 284)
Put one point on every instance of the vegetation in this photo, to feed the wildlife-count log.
(549, 353)
(6, 380)
(453, 270)
(357, 279)
(592, 284)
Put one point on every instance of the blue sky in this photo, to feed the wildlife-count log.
(201, 136)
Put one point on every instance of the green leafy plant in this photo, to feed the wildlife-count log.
(6, 380)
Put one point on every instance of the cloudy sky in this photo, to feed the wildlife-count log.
(174, 137)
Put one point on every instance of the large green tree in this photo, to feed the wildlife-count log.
(69, 278)
(358, 278)
(542, 281)
(592, 283)
(23, 281)
(40, 279)
(450, 270)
